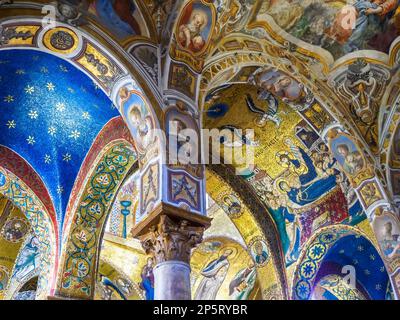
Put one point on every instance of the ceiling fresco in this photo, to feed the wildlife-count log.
(52, 113)
(118, 17)
(121, 19)
(341, 27)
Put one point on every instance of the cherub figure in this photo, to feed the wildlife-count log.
(189, 35)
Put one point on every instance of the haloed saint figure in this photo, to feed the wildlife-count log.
(214, 275)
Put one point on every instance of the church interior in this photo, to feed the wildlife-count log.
(101, 102)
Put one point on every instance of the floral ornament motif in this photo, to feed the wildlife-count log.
(103, 179)
(316, 251)
(328, 237)
(308, 269)
(97, 198)
(120, 160)
(303, 290)
(96, 209)
(83, 269)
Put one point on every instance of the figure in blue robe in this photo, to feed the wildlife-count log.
(27, 259)
(310, 193)
(311, 188)
(356, 39)
(147, 283)
(366, 26)
(280, 216)
(311, 174)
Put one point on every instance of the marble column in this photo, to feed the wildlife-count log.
(172, 281)
(170, 240)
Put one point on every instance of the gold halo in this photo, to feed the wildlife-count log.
(277, 182)
(279, 154)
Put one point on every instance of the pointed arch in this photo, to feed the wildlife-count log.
(255, 223)
(77, 272)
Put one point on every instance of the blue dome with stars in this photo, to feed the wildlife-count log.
(371, 276)
(51, 113)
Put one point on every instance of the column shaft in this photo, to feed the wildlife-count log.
(172, 281)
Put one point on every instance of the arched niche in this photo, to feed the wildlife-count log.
(249, 216)
(27, 291)
(347, 253)
(113, 284)
(334, 287)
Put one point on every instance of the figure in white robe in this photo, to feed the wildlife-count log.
(214, 275)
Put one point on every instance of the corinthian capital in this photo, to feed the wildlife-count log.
(171, 240)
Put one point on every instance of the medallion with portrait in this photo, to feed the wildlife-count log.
(259, 251)
(14, 230)
(140, 122)
(231, 204)
(387, 231)
(193, 33)
(347, 154)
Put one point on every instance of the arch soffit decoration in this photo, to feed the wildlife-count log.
(18, 166)
(114, 130)
(79, 261)
(28, 202)
(253, 222)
